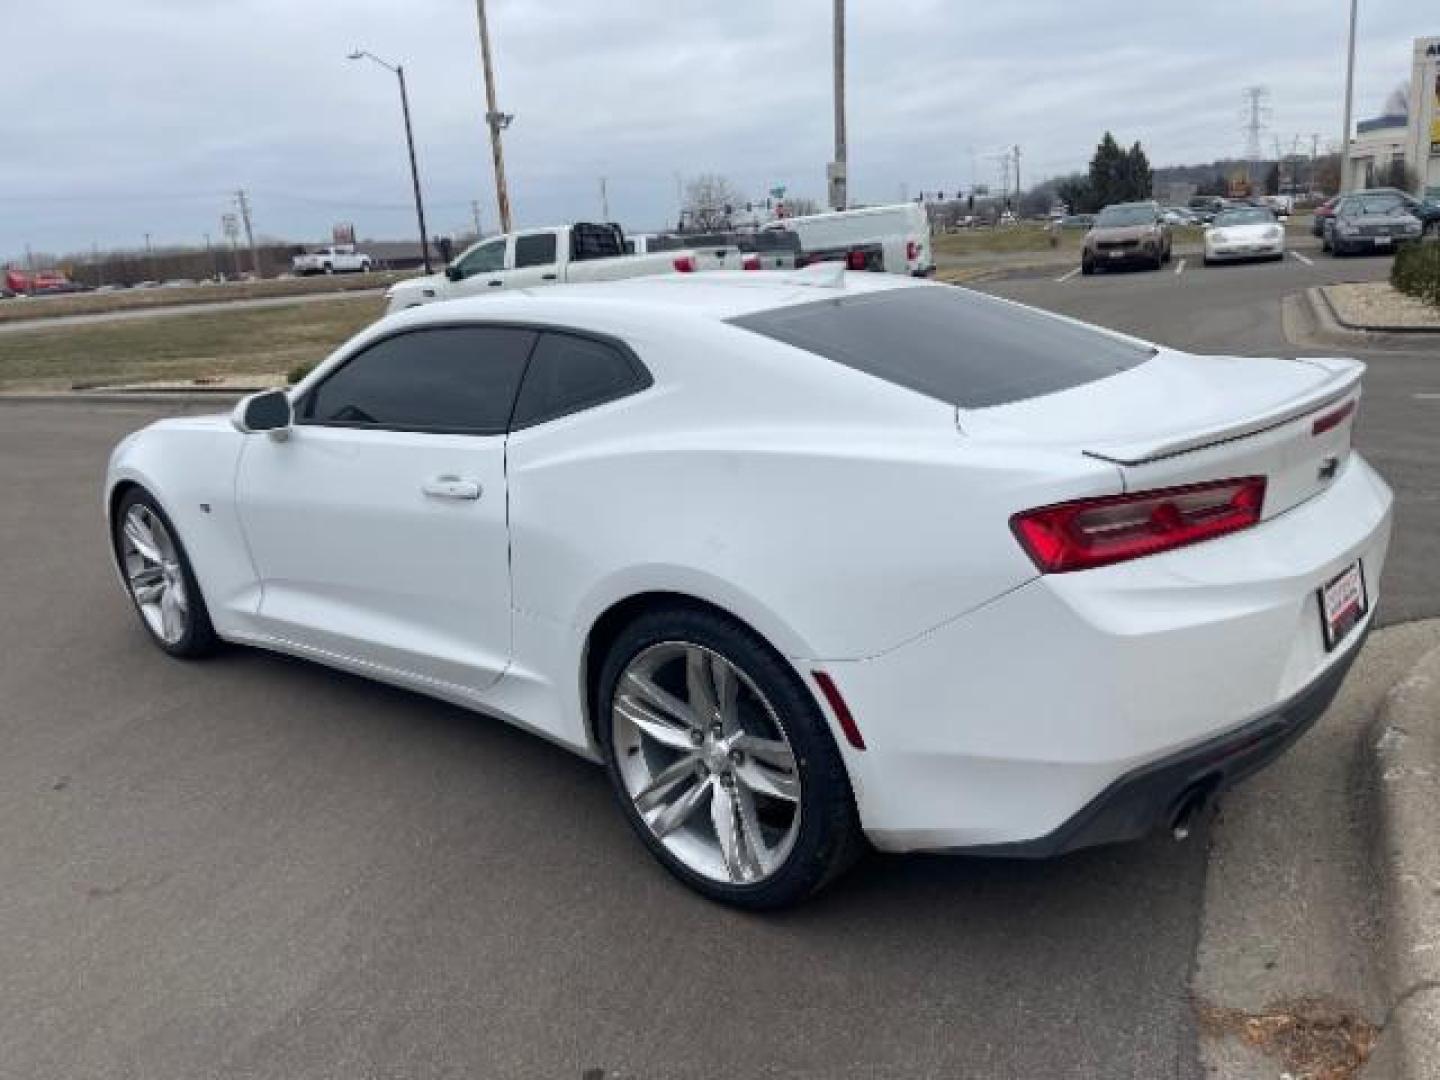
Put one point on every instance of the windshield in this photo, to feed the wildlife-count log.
(1112, 216)
(1254, 216)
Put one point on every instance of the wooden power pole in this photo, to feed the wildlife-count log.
(495, 119)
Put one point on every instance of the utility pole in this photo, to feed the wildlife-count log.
(604, 201)
(839, 195)
(149, 258)
(1349, 99)
(475, 213)
(1018, 189)
(210, 258)
(99, 269)
(242, 202)
(495, 119)
(1314, 156)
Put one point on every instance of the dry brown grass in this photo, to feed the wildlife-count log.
(52, 307)
(248, 341)
(1314, 1039)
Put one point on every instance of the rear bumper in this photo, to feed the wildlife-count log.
(1155, 795)
(1003, 728)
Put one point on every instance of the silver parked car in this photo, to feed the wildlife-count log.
(1369, 222)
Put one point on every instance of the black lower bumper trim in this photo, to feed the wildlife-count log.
(1149, 797)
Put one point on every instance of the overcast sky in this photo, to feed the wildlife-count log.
(122, 118)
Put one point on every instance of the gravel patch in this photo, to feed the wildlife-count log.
(1376, 303)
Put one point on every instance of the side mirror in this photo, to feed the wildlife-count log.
(268, 410)
(452, 271)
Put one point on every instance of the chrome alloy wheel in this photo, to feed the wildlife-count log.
(706, 763)
(152, 569)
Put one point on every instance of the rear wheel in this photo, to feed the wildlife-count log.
(722, 761)
(1087, 266)
(159, 578)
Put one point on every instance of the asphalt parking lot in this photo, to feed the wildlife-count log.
(257, 867)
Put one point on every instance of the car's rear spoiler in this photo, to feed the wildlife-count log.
(1343, 376)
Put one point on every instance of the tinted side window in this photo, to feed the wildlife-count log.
(486, 259)
(536, 250)
(459, 379)
(569, 373)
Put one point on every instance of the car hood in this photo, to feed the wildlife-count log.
(1120, 232)
(418, 284)
(1253, 231)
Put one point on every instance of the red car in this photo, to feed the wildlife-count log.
(1323, 211)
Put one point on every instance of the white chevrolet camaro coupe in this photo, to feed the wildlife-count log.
(1249, 232)
(804, 559)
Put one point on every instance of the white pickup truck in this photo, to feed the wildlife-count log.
(340, 259)
(536, 257)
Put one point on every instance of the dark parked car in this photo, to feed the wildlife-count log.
(1127, 234)
(1370, 221)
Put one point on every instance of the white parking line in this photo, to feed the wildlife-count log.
(1068, 276)
(1180, 268)
(1303, 258)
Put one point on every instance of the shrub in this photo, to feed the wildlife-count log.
(1417, 271)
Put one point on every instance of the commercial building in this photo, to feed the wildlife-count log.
(1413, 139)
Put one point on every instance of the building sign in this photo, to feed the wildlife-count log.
(343, 233)
(1435, 113)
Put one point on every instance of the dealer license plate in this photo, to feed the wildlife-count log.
(1343, 603)
(1382, 241)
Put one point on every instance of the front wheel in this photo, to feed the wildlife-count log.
(722, 761)
(159, 578)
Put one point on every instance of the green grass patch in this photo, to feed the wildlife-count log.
(249, 341)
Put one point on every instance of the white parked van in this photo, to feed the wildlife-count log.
(895, 239)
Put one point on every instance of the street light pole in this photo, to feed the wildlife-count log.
(494, 119)
(1349, 101)
(399, 70)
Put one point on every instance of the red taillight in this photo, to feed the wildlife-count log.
(1332, 420)
(912, 250)
(684, 264)
(750, 262)
(1087, 533)
(855, 260)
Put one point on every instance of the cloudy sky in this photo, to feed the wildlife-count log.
(122, 118)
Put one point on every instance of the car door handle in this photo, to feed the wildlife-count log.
(451, 487)
(496, 284)
(547, 277)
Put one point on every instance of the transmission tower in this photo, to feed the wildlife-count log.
(1257, 118)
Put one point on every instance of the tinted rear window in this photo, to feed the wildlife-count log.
(960, 346)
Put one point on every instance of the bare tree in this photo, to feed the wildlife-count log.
(1398, 103)
(801, 206)
(710, 200)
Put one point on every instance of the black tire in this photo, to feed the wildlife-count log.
(1207, 260)
(829, 838)
(329, 268)
(1087, 267)
(199, 638)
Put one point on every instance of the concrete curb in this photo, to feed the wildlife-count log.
(1369, 328)
(84, 397)
(1309, 319)
(1403, 746)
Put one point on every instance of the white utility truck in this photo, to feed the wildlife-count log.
(538, 257)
